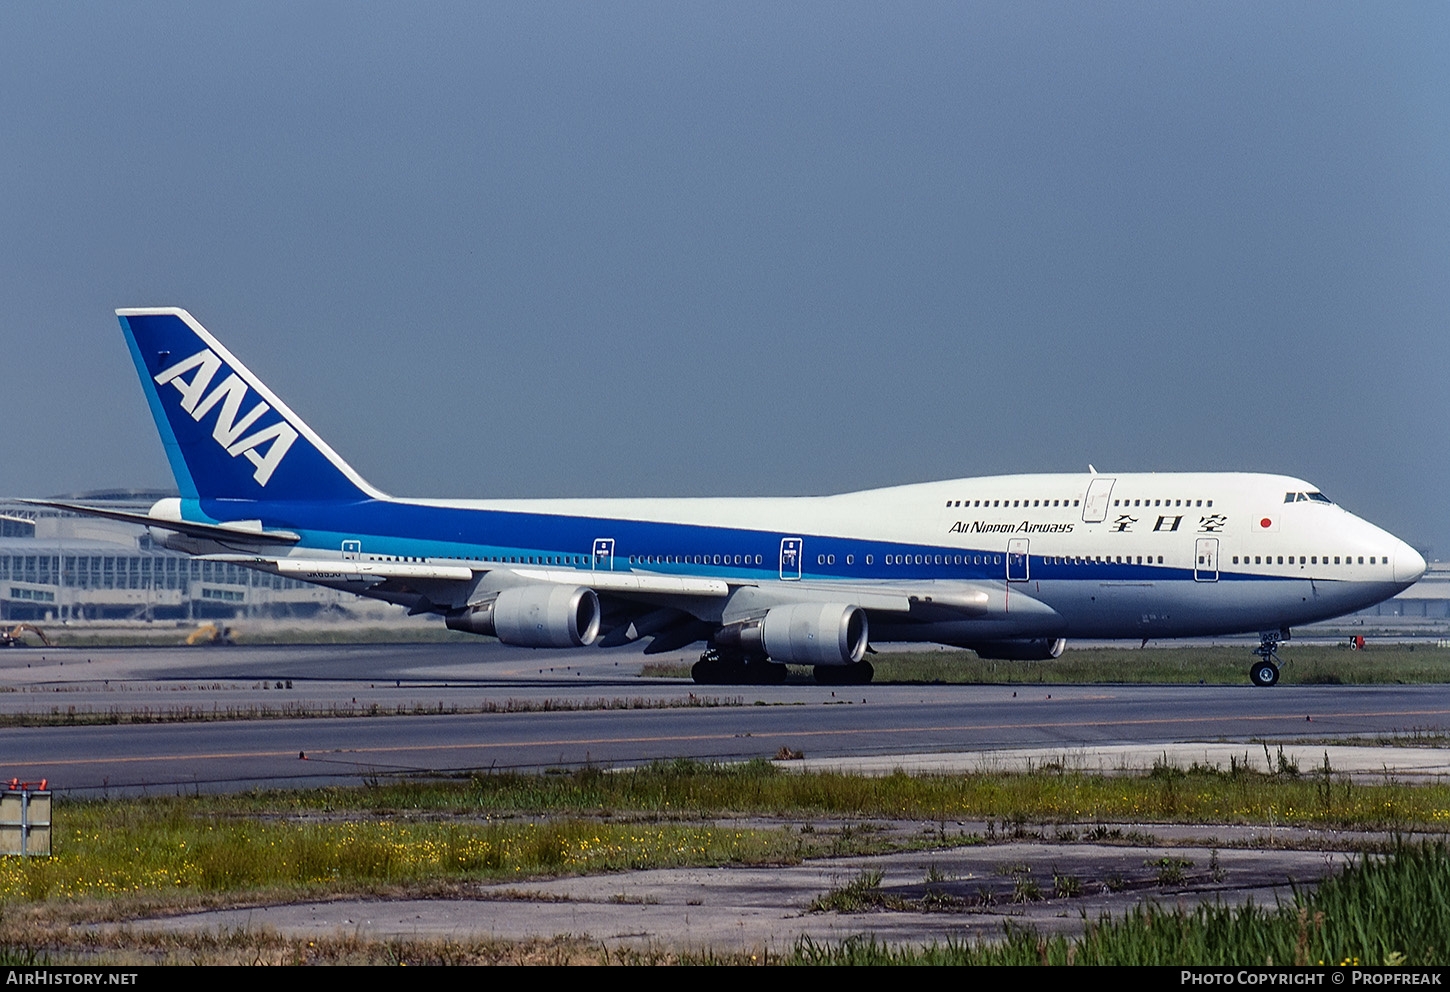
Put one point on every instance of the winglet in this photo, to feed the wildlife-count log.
(227, 436)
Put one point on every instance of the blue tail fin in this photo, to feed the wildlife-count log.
(226, 435)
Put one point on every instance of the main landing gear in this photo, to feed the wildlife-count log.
(1265, 671)
(722, 667)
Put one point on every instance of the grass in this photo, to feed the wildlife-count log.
(858, 895)
(1390, 910)
(167, 854)
(80, 716)
(1305, 664)
(416, 836)
(119, 859)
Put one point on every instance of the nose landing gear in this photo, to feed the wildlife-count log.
(1265, 671)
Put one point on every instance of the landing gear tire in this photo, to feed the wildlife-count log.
(708, 672)
(1264, 673)
(768, 673)
(715, 668)
(860, 673)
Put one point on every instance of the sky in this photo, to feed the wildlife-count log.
(615, 249)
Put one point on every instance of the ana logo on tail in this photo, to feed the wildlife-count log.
(227, 399)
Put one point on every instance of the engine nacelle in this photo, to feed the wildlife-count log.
(1036, 649)
(534, 616)
(803, 634)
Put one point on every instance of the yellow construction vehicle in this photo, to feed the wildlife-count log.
(210, 635)
(12, 638)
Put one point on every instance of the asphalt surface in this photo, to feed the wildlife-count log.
(425, 709)
(544, 715)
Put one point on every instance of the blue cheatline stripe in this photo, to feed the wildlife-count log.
(410, 530)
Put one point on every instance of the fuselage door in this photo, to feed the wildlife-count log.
(351, 550)
(1095, 506)
(1017, 559)
(790, 558)
(1205, 561)
(603, 554)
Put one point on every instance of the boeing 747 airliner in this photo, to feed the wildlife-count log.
(1008, 566)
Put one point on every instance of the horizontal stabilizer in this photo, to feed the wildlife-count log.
(244, 532)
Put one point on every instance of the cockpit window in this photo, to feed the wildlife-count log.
(1319, 498)
(1306, 498)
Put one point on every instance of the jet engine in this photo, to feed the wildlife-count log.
(534, 616)
(1036, 649)
(802, 634)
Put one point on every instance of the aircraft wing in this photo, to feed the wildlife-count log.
(616, 585)
(619, 607)
(452, 584)
(334, 570)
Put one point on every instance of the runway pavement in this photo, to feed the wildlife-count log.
(358, 712)
(470, 707)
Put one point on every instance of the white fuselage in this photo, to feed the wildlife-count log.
(1128, 555)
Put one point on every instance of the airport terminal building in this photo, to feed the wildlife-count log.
(58, 566)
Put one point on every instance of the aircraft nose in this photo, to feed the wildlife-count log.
(1409, 565)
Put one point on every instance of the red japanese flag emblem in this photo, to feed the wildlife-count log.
(1267, 525)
